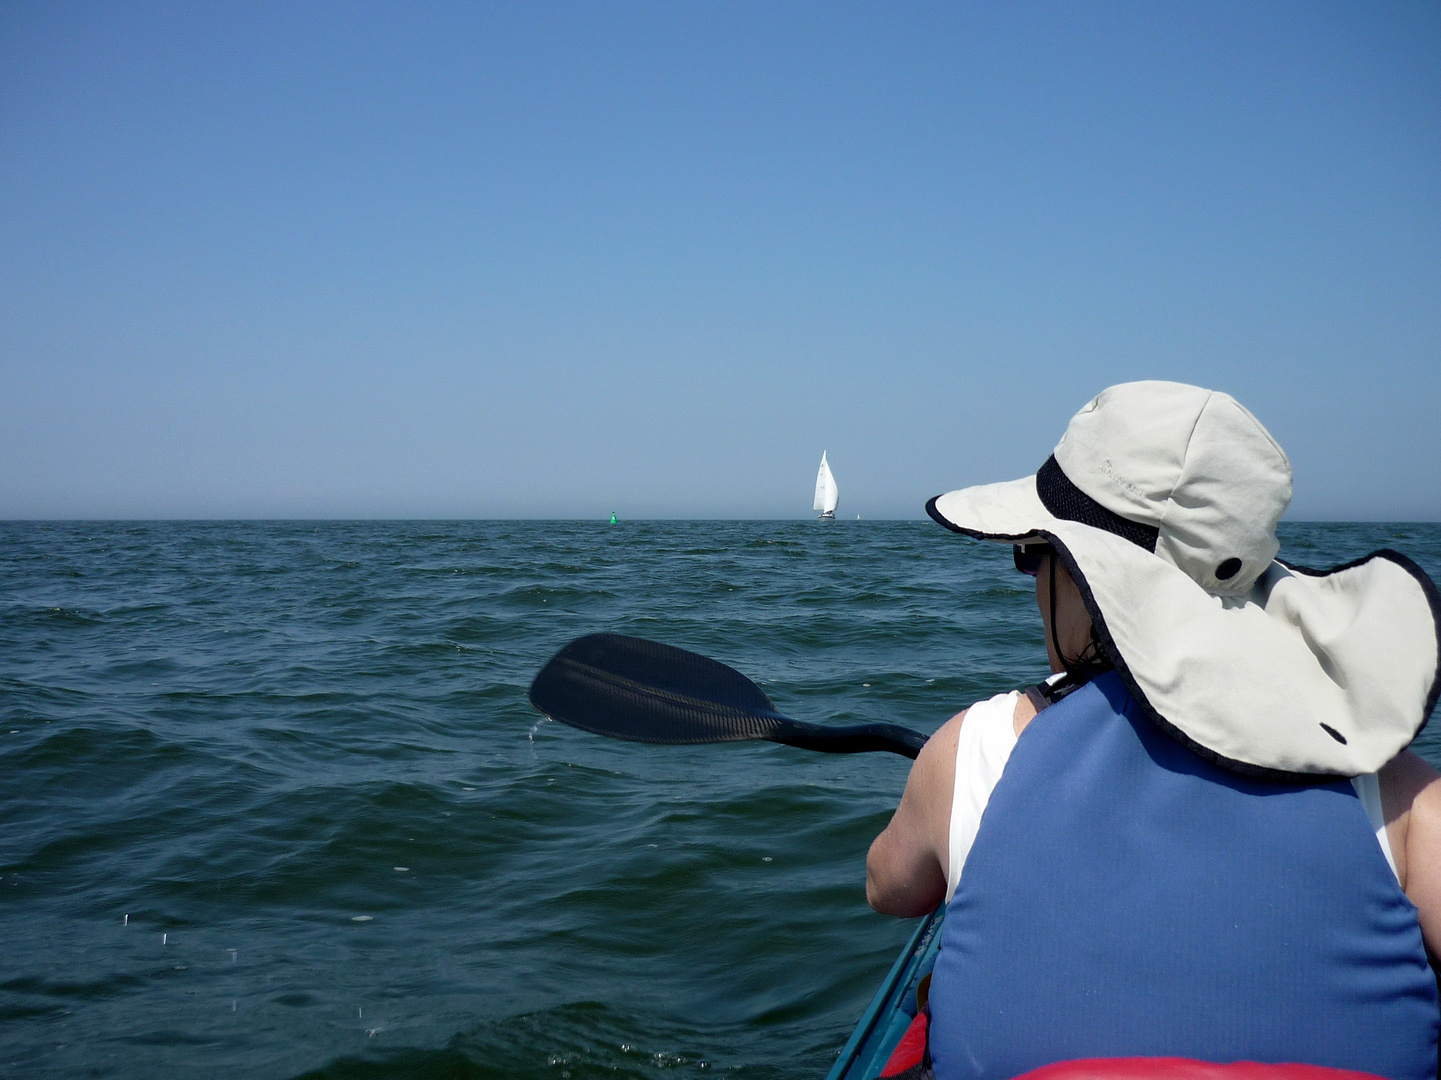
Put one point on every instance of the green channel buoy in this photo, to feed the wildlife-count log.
(612, 517)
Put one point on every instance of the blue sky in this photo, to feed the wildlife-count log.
(556, 260)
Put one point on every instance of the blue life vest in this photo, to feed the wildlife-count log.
(1126, 898)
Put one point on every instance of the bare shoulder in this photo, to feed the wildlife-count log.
(1411, 805)
(939, 753)
(1404, 779)
(931, 783)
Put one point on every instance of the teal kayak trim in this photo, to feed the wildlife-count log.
(893, 1008)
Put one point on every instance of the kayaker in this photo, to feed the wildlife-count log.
(1203, 837)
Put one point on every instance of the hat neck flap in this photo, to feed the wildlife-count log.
(1113, 653)
(1108, 646)
(1428, 587)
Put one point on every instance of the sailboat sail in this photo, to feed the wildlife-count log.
(828, 496)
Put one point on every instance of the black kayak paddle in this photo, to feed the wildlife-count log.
(631, 688)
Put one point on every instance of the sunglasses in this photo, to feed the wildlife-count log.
(1029, 556)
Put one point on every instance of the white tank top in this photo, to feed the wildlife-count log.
(984, 745)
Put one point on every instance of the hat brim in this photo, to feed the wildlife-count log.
(1330, 672)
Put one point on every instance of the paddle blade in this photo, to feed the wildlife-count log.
(630, 688)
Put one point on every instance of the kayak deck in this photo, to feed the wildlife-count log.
(893, 1008)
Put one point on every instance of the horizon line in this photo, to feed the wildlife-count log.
(598, 520)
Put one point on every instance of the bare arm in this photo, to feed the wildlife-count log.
(1411, 804)
(906, 866)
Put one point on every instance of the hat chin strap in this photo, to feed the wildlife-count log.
(1082, 669)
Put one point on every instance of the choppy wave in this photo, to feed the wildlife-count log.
(273, 803)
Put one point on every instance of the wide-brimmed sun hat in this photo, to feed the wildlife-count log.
(1162, 501)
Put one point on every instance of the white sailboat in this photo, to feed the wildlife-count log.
(827, 494)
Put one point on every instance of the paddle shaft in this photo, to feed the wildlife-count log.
(850, 739)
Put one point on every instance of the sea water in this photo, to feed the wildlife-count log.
(273, 802)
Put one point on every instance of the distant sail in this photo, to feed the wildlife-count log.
(828, 496)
